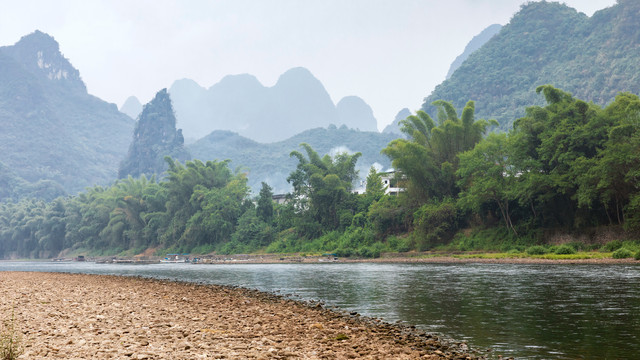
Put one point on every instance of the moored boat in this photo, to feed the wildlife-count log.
(175, 258)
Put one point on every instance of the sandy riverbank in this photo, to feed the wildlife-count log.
(74, 316)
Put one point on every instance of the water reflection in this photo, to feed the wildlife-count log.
(526, 311)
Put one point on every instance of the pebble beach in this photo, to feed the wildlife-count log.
(78, 316)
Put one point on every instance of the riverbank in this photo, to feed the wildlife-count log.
(413, 257)
(77, 316)
(421, 257)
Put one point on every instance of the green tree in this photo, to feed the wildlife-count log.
(428, 156)
(322, 187)
(127, 221)
(388, 216)
(374, 186)
(52, 231)
(487, 176)
(435, 223)
(610, 179)
(252, 233)
(264, 210)
(204, 201)
(180, 185)
(553, 150)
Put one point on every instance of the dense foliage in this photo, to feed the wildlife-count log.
(567, 166)
(549, 43)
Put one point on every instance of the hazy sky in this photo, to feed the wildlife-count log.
(390, 53)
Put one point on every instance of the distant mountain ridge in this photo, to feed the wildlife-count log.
(51, 130)
(476, 42)
(394, 127)
(594, 58)
(240, 103)
(132, 107)
(473, 45)
(271, 162)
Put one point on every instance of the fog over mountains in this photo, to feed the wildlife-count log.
(57, 139)
(131, 107)
(240, 103)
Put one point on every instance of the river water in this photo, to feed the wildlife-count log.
(524, 311)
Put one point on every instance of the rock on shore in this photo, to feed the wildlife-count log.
(77, 316)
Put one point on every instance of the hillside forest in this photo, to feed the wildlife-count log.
(569, 166)
(548, 42)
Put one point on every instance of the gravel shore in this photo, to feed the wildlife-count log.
(77, 316)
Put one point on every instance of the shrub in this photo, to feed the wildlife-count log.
(388, 216)
(592, 247)
(579, 246)
(536, 250)
(622, 253)
(637, 257)
(342, 252)
(565, 250)
(203, 249)
(435, 223)
(277, 246)
(612, 246)
(493, 239)
(399, 244)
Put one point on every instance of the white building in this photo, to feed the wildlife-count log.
(389, 181)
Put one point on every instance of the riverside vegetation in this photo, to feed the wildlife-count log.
(569, 167)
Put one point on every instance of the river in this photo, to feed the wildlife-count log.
(524, 311)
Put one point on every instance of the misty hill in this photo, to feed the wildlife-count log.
(473, 45)
(53, 134)
(154, 137)
(353, 112)
(13, 187)
(271, 162)
(131, 107)
(394, 127)
(240, 103)
(549, 43)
